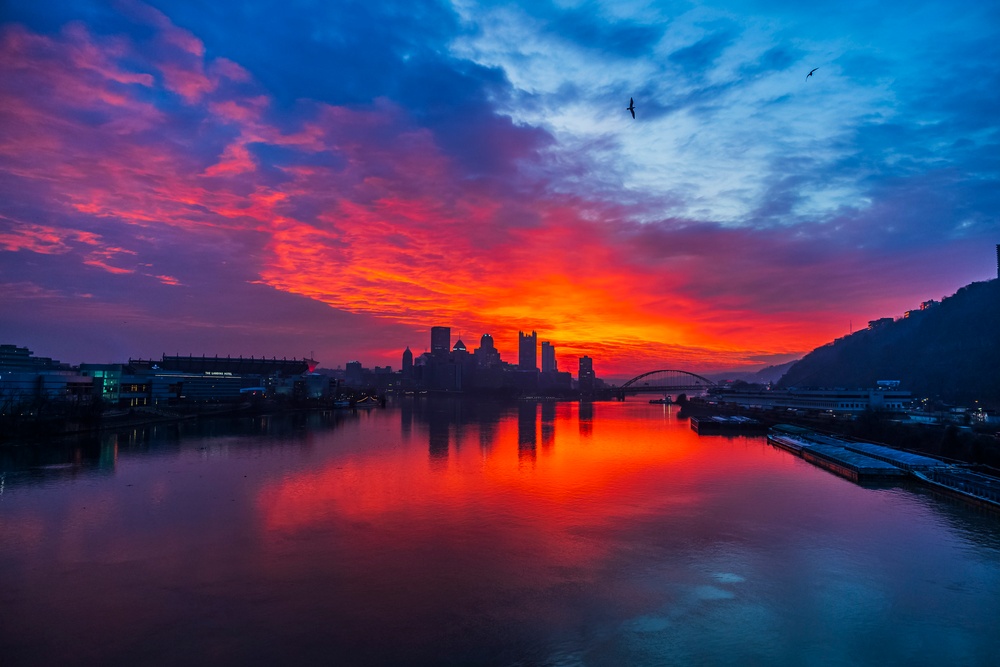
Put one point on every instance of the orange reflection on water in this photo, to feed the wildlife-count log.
(536, 480)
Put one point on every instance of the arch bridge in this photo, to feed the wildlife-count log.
(666, 381)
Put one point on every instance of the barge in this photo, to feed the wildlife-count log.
(865, 461)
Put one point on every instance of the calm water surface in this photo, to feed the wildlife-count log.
(454, 533)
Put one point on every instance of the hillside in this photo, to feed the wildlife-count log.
(949, 351)
(763, 376)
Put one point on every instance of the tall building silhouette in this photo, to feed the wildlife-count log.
(998, 261)
(440, 341)
(586, 375)
(548, 358)
(407, 362)
(487, 355)
(527, 351)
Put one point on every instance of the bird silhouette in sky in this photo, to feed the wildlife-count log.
(811, 72)
(631, 107)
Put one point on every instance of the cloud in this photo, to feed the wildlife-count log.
(479, 170)
(701, 56)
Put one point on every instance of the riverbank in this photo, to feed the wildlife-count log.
(958, 443)
(37, 430)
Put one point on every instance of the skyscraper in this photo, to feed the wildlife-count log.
(586, 375)
(527, 351)
(487, 355)
(407, 362)
(548, 358)
(440, 341)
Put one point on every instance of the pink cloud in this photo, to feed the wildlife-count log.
(168, 32)
(246, 112)
(43, 239)
(235, 160)
(85, 54)
(188, 81)
(101, 264)
(101, 259)
(223, 67)
(45, 78)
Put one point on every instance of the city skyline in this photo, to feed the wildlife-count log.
(181, 179)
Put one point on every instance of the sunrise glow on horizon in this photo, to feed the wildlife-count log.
(334, 182)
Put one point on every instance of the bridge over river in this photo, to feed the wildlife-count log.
(666, 381)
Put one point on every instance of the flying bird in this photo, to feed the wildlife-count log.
(631, 107)
(811, 72)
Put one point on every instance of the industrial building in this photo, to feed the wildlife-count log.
(838, 401)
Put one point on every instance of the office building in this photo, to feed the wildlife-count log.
(407, 363)
(487, 355)
(440, 341)
(548, 358)
(586, 377)
(527, 351)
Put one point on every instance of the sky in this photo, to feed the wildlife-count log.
(331, 179)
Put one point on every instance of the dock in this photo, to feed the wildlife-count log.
(865, 461)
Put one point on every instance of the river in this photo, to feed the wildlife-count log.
(451, 532)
